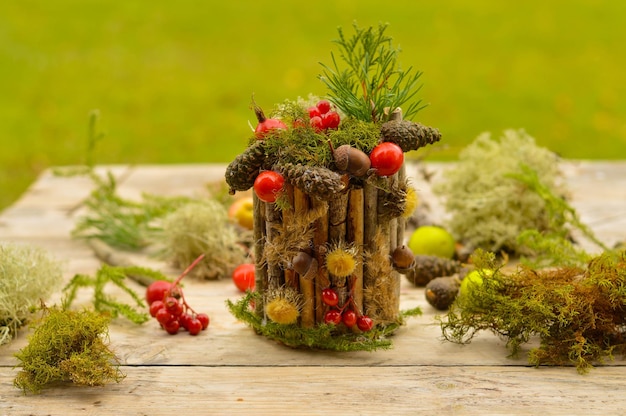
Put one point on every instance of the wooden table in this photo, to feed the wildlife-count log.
(230, 370)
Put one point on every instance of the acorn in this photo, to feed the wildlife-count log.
(350, 159)
(305, 265)
(402, 258)
(442, 291)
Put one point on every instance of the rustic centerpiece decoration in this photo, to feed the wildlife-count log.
(331, 200)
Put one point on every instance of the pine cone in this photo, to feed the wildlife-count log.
(429, 267)
(241, 172)
(408, 134)
(391, 203)
(316, 181)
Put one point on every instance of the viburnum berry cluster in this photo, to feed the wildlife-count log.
(171, 310)
(348, 313)
(322, 117)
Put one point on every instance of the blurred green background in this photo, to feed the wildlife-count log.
(173, 80)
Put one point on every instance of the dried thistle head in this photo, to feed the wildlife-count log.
(410, 202)
(283, 306)
(342, 259)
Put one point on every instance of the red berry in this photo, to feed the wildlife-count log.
(173, 306)
(155, 306)
(317, 123)
(266, 125)
(349, 318)
(164, 317)
(172, 327)
(157, 290)
(243, 277)
(323, 106)
(387, 158)
(194, 326)
(204, 320)
(330, 297)
(331, 120)
(332, 316)
(364, 323)
(183, 320)
(313, 112)
(268, 185)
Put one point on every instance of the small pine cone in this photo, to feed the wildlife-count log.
(241, 172)
(316, 181)
(408, 134)
(429, 267)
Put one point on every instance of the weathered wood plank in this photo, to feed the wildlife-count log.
(381, 390)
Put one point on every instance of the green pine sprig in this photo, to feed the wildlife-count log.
(372, 84)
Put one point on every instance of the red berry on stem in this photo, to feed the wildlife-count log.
(268, 185)
(313, 112)
(323, 106)
(164, 316)
(156, 290)
(331, 120)
(184, 320)
(155, 306)
(194, 326)
(330, 297)
(243, 277)
(387, 158)
(317, 123)
(349, 318)
(172, 327)
(173, 306)
(364, 323)
(204, 320)
(265, 124)
(332, 316)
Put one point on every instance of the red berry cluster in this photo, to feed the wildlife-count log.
(322, 118)
(347, 314)
(168, 306)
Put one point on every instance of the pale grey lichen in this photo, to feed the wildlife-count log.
(488, 207)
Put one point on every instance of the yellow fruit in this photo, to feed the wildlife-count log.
(241, 211)
(472, 280)
(432, 241)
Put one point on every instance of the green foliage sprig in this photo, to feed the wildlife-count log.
(106, 304)
(578, 314)
(372, 84)
(67, 346)
(322, 336)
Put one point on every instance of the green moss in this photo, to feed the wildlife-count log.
(67, 346)
(578, 313)
(322, 336)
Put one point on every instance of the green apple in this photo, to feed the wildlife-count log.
(433, 241)
(242, 212)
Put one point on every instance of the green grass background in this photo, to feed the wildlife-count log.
(173, 79)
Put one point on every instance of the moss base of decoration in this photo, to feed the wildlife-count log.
(323, 336)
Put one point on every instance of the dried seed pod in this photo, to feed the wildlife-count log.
(316, 181)
(409, 135)
(352, 160)
(442, 291)
(242, 171)
(402, 258)
(392, 202)
(429, 267)
(305, 265)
